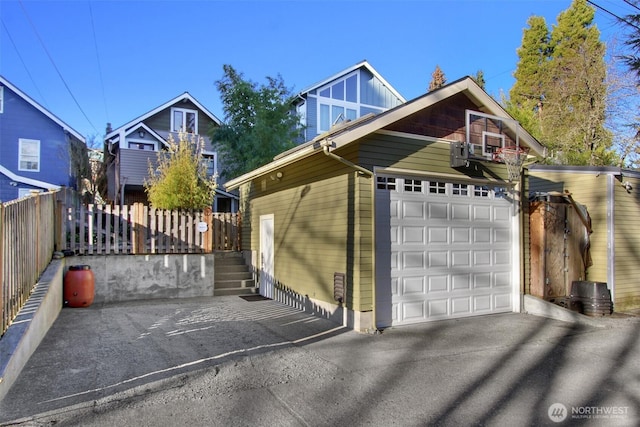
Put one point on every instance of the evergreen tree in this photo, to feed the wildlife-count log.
(438, 79)
(259, 122)
(560, 91)
(479, 79)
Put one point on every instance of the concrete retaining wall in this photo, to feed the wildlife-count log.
(31, 325)
(134, 277)
(117, 278)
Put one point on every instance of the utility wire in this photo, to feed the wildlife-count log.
(55, 66)
(631, 4)
(631, 24)
(95, 43)
(44, 101)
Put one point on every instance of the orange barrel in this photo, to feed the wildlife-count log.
(79, 286)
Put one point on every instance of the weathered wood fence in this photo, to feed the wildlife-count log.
(32, 228)
(26, 247)
(140, 229)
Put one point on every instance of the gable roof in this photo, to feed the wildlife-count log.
(361, 64)
(183, 97)
(43, 110)
(366, 125)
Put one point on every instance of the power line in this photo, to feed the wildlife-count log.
(631, 4)
(631, 24)
(95, 43)
(55, 66)
(44, 101)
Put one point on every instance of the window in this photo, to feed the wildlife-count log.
(460, 190)
(413, 185)
(338, 102)
(183, 120)
(141, 146)
(209, 159)
(29, 155)
(437, 188)
(481, 191)
(385, 183)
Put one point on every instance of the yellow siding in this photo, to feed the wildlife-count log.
(590, 190)
(627, 245)
(318, 228)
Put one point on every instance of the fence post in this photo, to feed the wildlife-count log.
(207, 239)
(137, 239)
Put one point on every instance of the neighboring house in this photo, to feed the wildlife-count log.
(130, 147)
(34, 146)
(612, 198)
(378, 220)
(352, 93)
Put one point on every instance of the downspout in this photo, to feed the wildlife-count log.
(326, 144)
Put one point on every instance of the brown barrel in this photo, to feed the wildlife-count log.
(79, 286)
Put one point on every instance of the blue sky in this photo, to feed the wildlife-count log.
(93, 62)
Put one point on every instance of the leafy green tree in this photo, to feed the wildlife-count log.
(180, 179)
(560, 92)
(438, 79)
(259, 122)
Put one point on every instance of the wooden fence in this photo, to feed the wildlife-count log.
(26, 248)
(140, 229)
(32, 228)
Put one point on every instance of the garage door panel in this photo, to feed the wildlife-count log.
(438, 210)
(437, 259)
(450, 251)
(502, 301)
(482, 304)
(481, 213)
(413, 235)
(460, 212)
(413, 285)
(438, 283)
(460, 305)
(413, 210)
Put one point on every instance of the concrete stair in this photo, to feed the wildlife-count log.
(232, 276)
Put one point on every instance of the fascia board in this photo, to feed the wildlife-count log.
(160, 108)
(43, 110)
(234, 183)
(346, 71)
(30, 181)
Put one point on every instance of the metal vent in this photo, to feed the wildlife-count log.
(339, 286)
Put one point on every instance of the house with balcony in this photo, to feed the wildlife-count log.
(130, 148)
(35, 146)
(345, 96)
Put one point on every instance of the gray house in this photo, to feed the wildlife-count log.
(130, 147)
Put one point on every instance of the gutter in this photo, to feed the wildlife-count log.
(326, 145)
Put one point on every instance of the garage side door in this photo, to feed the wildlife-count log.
(448, 252)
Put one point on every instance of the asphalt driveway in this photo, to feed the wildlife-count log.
(227, 361)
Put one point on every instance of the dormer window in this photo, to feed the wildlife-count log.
(338, 102)
(184, 120)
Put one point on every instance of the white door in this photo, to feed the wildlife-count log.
(266, 256)
(448, 252)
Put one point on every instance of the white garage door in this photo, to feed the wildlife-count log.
(448, 252)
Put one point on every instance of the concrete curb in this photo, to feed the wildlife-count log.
(542, 308)
(31, 325)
